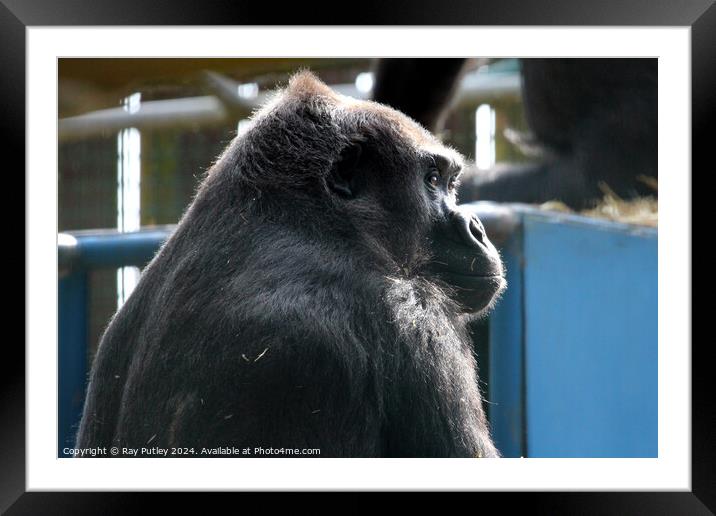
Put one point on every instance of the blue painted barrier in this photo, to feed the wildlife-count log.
(506, 356)
(573, 346)
(72, 356)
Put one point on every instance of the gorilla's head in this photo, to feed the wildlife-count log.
(345, 170)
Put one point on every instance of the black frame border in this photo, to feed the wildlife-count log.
(17, 15)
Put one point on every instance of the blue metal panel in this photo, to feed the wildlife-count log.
(506, 357)
(72, 356)
(590, 338)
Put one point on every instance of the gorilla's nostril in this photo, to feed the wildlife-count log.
(477, 230)
(468, 229)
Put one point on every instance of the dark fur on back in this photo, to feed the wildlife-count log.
(278, 315)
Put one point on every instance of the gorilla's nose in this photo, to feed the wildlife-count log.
(469, 227)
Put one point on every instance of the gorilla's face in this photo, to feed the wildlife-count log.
(462, 255)
(415, 179)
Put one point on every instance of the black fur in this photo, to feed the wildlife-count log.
(293, 307)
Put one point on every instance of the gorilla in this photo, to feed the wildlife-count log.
(593, 124)
(315, 295)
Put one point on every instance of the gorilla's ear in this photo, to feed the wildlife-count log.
(343, 178)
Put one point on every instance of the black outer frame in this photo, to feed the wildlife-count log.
(16, 15)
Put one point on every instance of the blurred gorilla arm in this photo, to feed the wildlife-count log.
(421, 88)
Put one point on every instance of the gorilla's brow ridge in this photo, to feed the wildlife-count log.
(446, 164)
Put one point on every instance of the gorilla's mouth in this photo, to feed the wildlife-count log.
(475, 275)
(478, 278)
(489, 283)
(474, 292)
(463, 265)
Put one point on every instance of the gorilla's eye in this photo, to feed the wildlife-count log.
(452, 184)
(433, 179)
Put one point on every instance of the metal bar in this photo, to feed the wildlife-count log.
(71, 357)
(227, 91)
(155, 114)
(106, 248)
